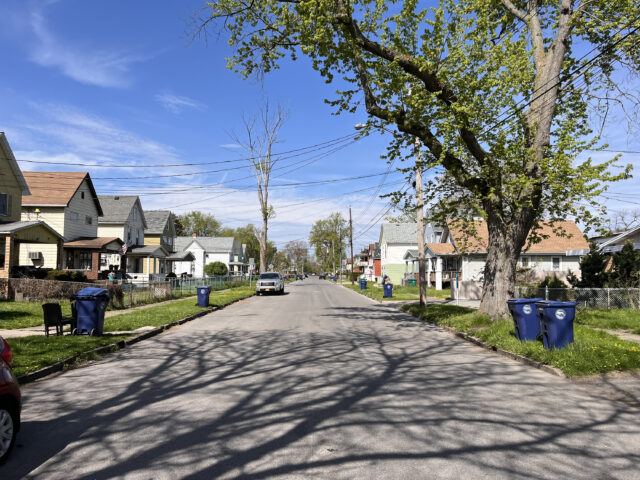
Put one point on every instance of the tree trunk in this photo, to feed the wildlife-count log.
(263, 246)
(500, 269)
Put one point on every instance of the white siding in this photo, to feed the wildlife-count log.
(49, 254)
(112, 231)
(83, 207)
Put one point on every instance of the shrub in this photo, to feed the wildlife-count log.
(215, 268)
(66, 276)
(552, 282)
(170, 275)
(355, 276)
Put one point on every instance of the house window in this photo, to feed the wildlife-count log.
(4, 204)
(556, 263)
(82, 195)
(88, 220)
(104, 259)
(84, 260)
(129, 237)
(524, 262)
(135, 214)
(74, 217)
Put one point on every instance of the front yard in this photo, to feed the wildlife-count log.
(399, 293)
(592, 352)
(35, 352)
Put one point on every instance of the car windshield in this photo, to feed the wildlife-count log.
(269, 275)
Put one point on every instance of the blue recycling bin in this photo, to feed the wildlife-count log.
(556, 323)
(91, 303)
(363, 284)
(203, 295)
(525, 317)
(388, 290)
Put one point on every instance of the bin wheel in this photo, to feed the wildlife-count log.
(74, 331)
(93, 332)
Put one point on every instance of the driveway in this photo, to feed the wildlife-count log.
(318, 383)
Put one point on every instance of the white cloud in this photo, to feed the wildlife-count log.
(232, 146)
(177, 103)
(94, 67)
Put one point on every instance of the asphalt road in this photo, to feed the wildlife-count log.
(318, 383)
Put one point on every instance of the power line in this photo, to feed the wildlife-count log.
(167, 165)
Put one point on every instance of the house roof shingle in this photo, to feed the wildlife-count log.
(400, 233)
(209, 244)
(118, 207)
(570, 239)
(441, 248)
(93, 243)
(156, 221)
(56, 189)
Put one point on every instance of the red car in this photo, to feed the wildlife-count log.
(10, 402)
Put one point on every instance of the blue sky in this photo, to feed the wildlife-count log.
(122, 83)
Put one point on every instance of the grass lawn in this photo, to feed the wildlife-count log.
(25, 314)
(163, 314)
(592, 352)
(399, 292)
(35, 352)
(610, 319)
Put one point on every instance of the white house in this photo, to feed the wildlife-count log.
(459, 254)
(207, 250)
(395, 240)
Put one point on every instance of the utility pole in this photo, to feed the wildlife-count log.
(351, 243)
(422, 285)
(333, 256)
(340, 250)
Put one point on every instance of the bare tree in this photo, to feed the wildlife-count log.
(260, 134)
(623, 220)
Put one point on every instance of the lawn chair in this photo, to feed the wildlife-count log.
(53, 318)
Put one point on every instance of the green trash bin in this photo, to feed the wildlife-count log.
(413, 282)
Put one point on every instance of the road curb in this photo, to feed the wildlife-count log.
(476, 341)
(113, 347)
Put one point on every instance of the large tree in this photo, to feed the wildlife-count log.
(198, 223)
(328, 237)
(296, 251)
(498, 91)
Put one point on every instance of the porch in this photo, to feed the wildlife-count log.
(13, 234)
(88, 255)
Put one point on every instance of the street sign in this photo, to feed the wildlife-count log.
(252, 261)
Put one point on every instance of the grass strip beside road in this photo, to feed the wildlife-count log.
(37, 351)
(171, 312)
(592, 352)
(399, 292)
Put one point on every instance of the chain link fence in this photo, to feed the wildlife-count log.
(604, 298)
(122, 294)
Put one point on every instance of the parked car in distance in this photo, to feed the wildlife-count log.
(299, 277)
(322, 276)
(10, 402)
(270, 282)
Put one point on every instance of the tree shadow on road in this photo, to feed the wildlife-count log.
(368, 397)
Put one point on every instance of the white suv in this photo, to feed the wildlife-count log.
(270, 282)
